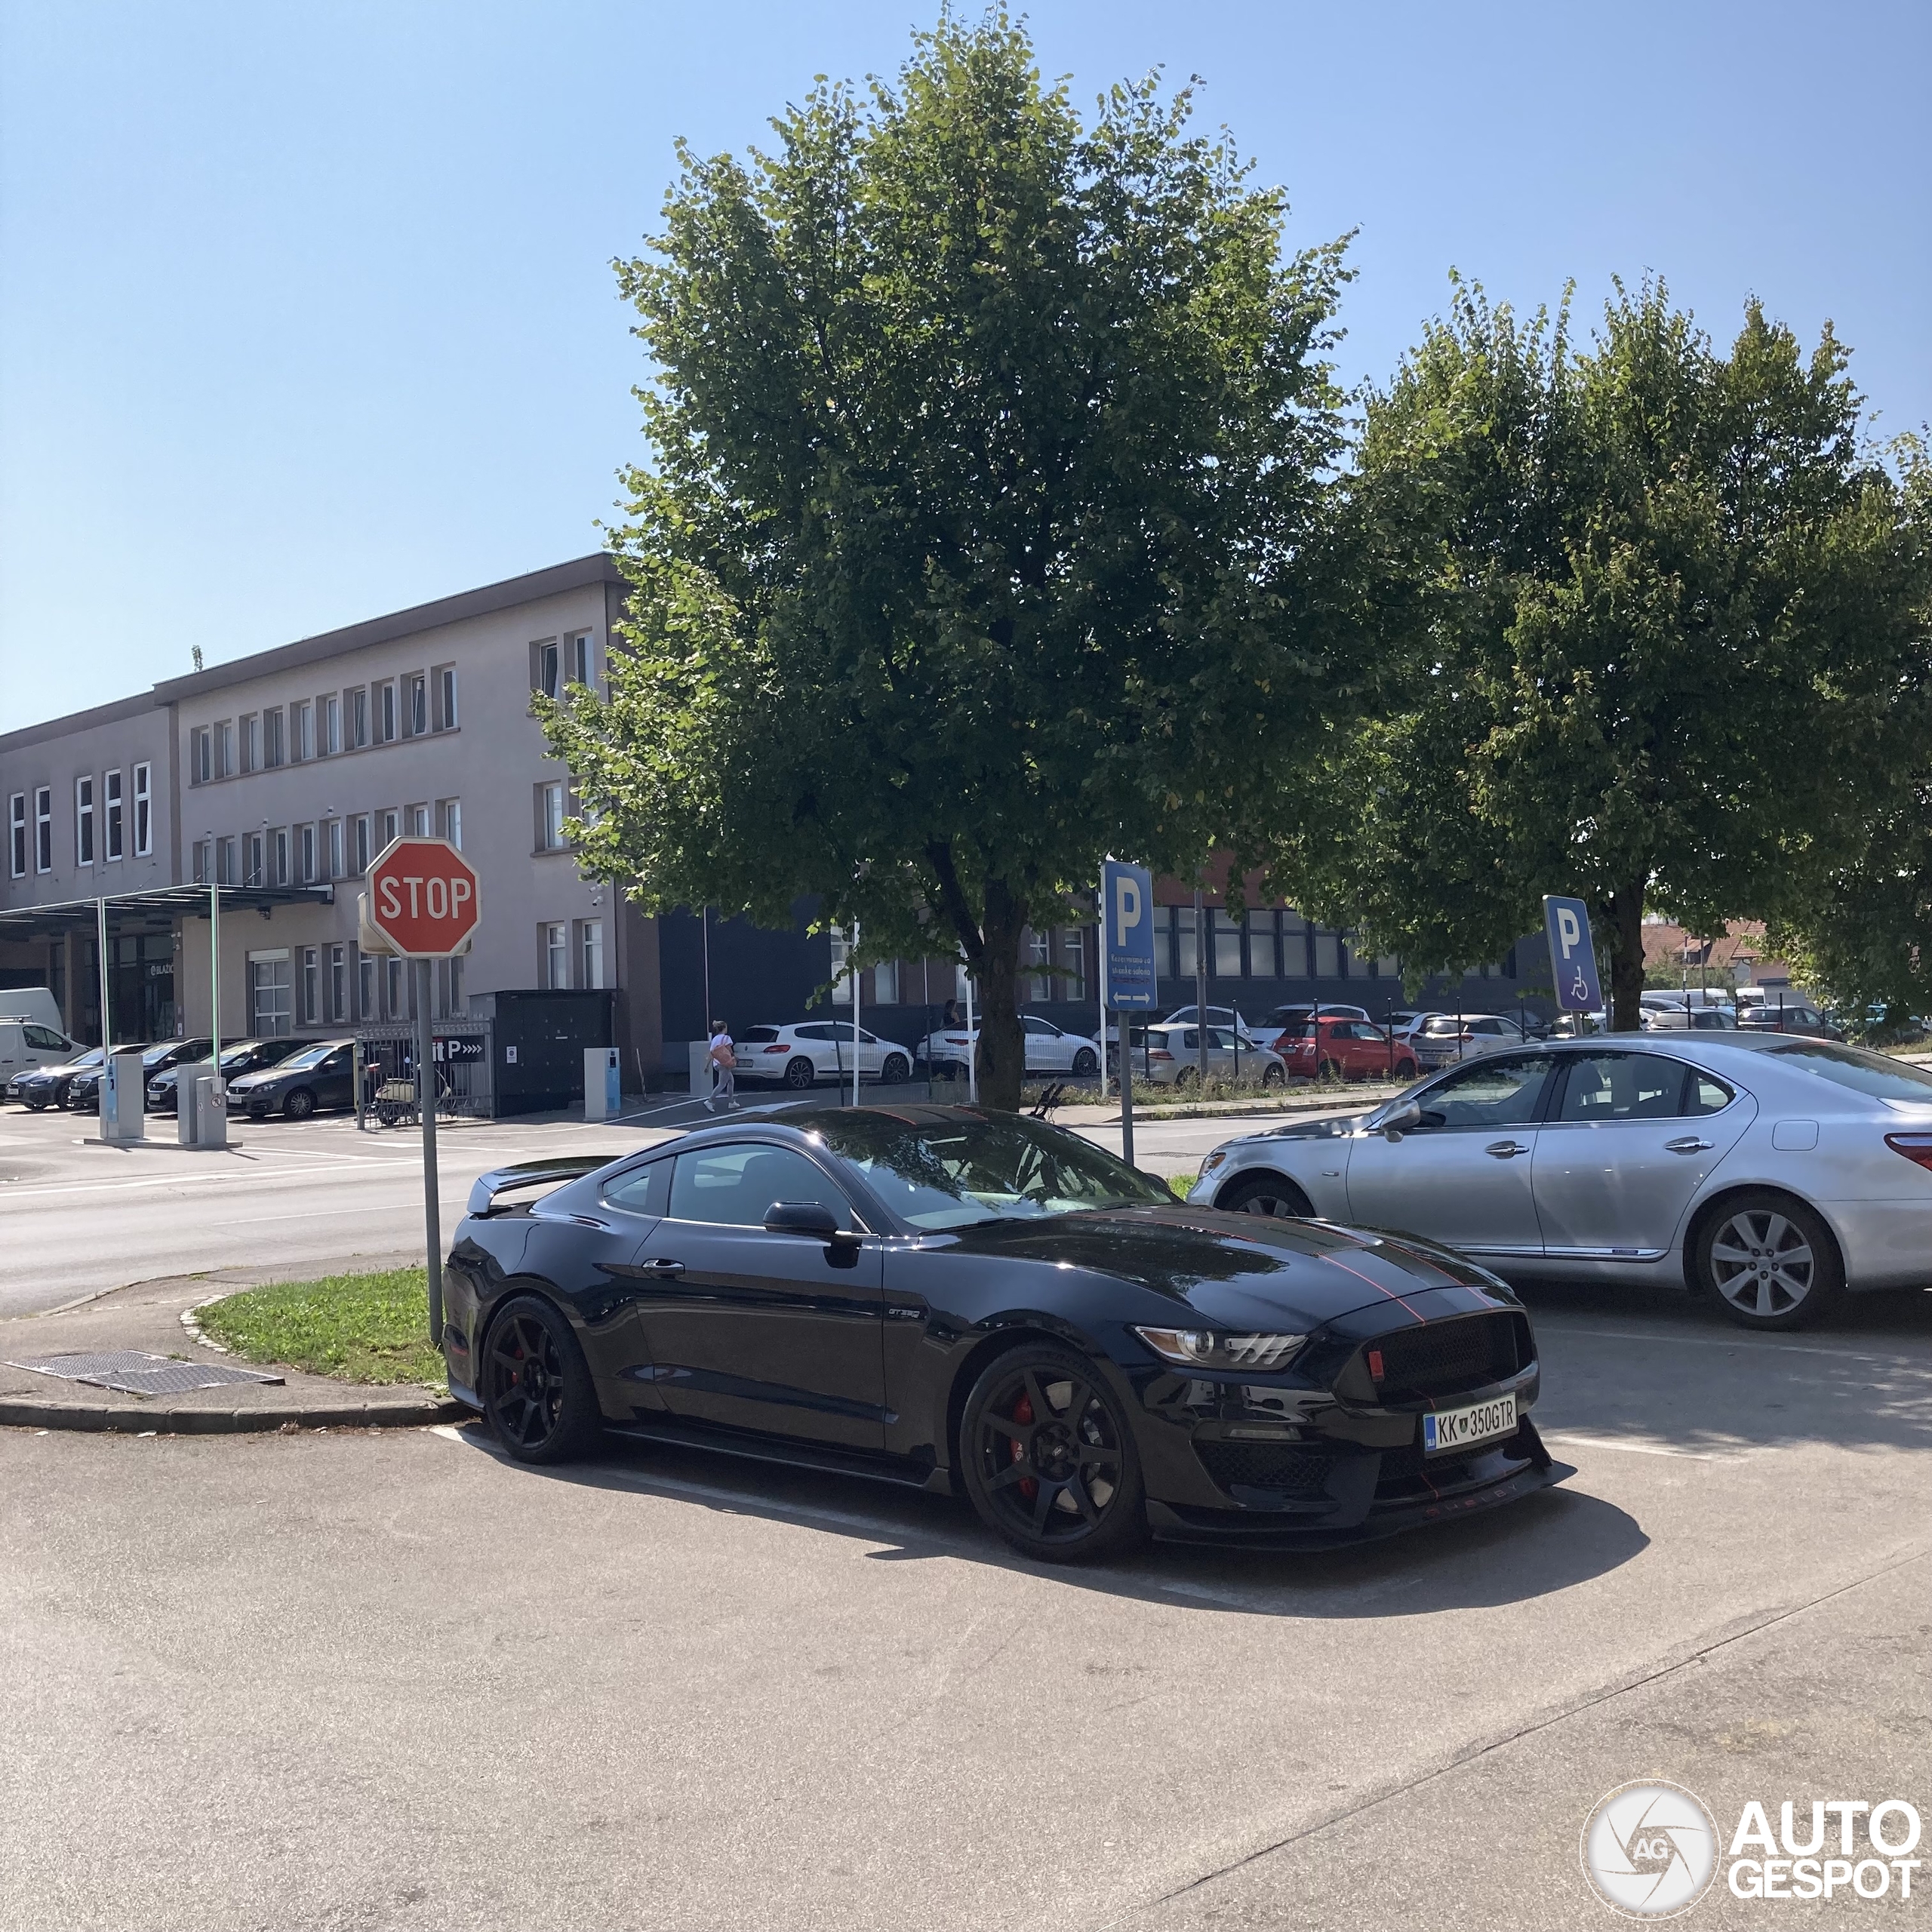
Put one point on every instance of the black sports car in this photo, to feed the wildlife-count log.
(40, 1087)
(961, 1299)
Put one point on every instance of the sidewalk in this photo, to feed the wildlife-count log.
(147, 1319)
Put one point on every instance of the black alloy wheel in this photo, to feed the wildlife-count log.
(1049, 1459)
(536, 1389)
(1266, 1194)
(1187, 1076)
(1085, 1063)
(1770, 1260)
(896, 1071)
(299, 1104)
(1273, 1076)
(798, 1072)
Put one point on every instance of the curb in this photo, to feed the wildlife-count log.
(101, 1417)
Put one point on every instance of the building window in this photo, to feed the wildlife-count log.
(1227, 945)
(842, 966)
(590, 952)
(415, 705)
(456, 1005)
(279, 856)
(251, 742)
(204, 860)
(450, 812)
(226, 853)
(338, 982)
(335, 848)
(1073, 962)
(301, 732)
(275, 740)
(389, 829)
(312, 985)
(363, 828)
(358, 717)
(365, 985)
(307, 847)
(1183, 942)
(268, 1014)
(1327, 954)
(1263, 947)
(385, 713)
(84, 820)
(544, 666)
(201, 760)
(550, 818)
(1038, 982)
(445, 689)
(43, 829)
(576, 658)
(556, 945)
(396, 1008)
(419, 821)
(328, 726)
(114, 812)
(224, 750)
(16, 834)
(143, 812)
(252, 869)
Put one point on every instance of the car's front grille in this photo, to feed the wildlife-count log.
(1279, 1466)
(1443, 1358)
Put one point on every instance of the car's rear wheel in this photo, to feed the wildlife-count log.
(536, 1388)
(896, 1071)
(798, 1072)
(1407, 1069)
(1050, 1460)
(1084, 1062)
(1265, 1194)
(1770, 1260)
(299, 1104)
(1187, 1076)
(1329, 1069)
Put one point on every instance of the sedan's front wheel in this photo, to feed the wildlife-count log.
(1050, 1460)
(798, 1072)
(1264, 1194)
(1084, 1062)
(1770, 1260)
(536, 1389)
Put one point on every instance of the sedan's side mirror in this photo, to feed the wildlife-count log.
(812, 1219)
(1401, 1120)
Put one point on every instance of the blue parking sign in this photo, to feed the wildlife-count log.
(1573, 956)
(1126, 896)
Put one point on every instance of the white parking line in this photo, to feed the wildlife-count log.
(1670, 1339)
(1645, 1448)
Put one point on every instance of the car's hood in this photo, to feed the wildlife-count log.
(1332, 1127)
(1236, 1271)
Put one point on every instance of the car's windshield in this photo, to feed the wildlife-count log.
(1863, 1071)
(156, 1055)
(234, 1056)
(301, 1062)
(952, 1172)
(92, 1057)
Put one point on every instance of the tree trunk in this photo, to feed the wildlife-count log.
(1002, 1049)
(1627, 957)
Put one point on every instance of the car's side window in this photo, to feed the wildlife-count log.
(735, 1185)
(1602, 1086)
(1500, 1089)
(644, 1190)
(39, 1036)
(1705, 1093)
(1036, 1027)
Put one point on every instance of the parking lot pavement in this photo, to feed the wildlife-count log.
(398, 1682)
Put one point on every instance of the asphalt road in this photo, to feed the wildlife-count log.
(388, 1680)
(77, 1218)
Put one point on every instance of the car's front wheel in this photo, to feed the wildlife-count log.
(1264, 1194)
(1084, 1062)
(536, 1388)
(895, 1073)
(1273, 1076)
(798, 1072)
(1050, 1459)
(1770, 1260)
(299, 1104)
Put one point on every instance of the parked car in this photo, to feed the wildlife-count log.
(1171, 1057)
(947, 1050)
(1787, 1015)
(84, 1091)
(1326, 1049)
(35, 1003)
(1285, 1019)
(322, 1074)
(1218, 1016)
(1688, 1019)
(40, 1087)
(1444, 1039)
(1771, 1172)
(960, 1302)
(817, 1049)
(25, 1046)
(246, 1056)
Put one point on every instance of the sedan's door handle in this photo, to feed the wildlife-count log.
(1690, 1144)
(1503, 1149)
(659, 1267)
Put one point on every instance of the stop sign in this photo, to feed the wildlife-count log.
(422, 897)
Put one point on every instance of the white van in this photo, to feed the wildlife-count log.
(35, 1003)
(25, 1044)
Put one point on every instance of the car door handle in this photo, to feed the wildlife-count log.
(660, 1267)
(1690, 1144)
(1503, 1149)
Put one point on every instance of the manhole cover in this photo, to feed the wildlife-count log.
(135, 1373)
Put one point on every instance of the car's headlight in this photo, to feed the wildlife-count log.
(1207, 1348)
(1212, 1161)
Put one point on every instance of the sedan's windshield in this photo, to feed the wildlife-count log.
(1863, 1071)
(301, 1063)
(951, 1174)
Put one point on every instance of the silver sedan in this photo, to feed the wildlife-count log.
(1774, 1172)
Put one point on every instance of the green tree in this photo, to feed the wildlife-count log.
(989, 452)
(1649, 631)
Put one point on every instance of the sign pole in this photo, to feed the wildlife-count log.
(100, 948)
(214, 972)
(853, 968)
(1200, 992)
(972, 1046)
(425, 1102)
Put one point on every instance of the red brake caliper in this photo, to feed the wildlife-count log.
(1023, 1413)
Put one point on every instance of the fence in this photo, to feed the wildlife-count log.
(465, 1057)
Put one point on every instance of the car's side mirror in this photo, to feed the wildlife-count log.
(1401, 1120)
(812, 1219)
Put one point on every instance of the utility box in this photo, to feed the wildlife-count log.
(701, 1076)
(124, 1096)
(540, 1038)
(603, 1083)
(202, 1100)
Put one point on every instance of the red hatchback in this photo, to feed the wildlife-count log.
(1345, 1049)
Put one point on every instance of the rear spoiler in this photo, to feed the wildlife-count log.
(532, 1173)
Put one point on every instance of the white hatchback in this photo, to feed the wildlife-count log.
(815, 1050)
(1050, 1049)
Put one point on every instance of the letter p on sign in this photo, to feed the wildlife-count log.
(1568, 931)
(1126, 905)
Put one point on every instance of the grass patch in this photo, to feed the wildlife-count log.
(355, 1328)
(1180, 1184)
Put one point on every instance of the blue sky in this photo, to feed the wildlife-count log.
(306, 313)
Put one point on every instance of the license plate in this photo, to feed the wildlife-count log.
(1462, 1428)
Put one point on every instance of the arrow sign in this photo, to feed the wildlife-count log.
(423, 897)
(1573, 955)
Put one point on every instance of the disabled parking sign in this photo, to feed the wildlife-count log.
(1573, 955)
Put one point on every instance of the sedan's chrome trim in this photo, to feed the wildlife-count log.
(1603, 1253)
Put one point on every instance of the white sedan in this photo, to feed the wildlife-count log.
(815, 1050)
(1050, 1049)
